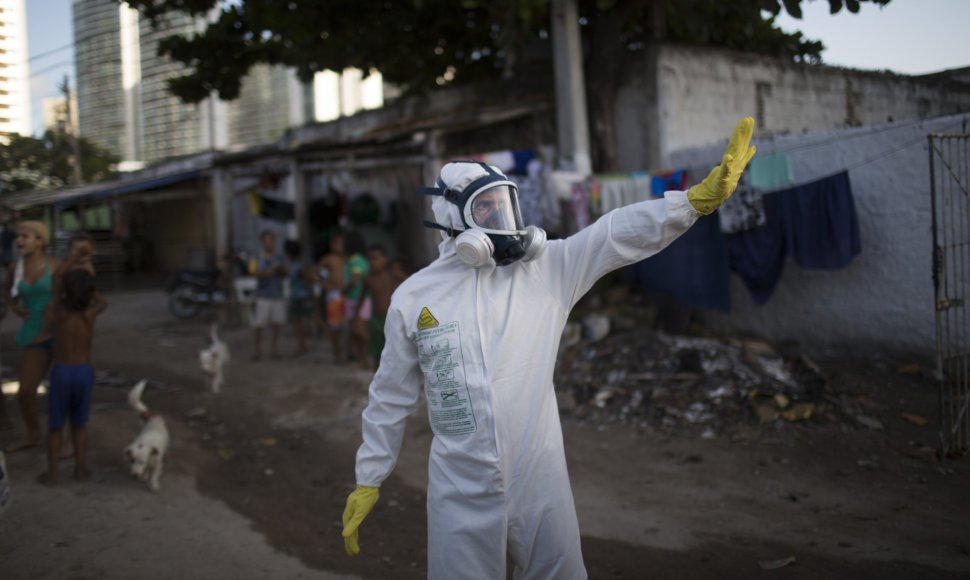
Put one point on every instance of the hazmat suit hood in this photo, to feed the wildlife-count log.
(457, 176)
(446, 214)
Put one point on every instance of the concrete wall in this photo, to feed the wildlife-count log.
(700, 93)
(884, 299)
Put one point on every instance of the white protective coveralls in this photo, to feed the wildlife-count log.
(484, 342)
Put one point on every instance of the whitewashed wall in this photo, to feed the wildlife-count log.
(692, 96)
(884, 299)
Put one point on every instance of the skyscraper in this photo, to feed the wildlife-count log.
(171, 127)
(124, 104)
(14, 75)
(98, 67)
(270, 100)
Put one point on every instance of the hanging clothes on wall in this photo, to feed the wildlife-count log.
(694, 269)
(559, 193)
(757, 255)
(612, 192)
(815, 223)
(642, 186)
(270, 208)
(668, 181)
(742, 211)
(581, 203)
(770, 171)
(595, 198)
(821, 224)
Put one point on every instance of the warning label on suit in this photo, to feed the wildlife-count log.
(449, 406)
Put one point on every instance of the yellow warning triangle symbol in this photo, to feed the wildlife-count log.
(426, 320)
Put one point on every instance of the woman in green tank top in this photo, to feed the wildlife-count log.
(28, 292)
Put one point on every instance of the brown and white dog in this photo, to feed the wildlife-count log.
(214, 360)
(146, 453)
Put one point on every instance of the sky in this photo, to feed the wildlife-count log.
(905, 36)
(49, 30)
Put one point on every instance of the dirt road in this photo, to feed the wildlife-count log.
(257, 477)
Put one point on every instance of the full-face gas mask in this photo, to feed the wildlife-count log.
(488, 203)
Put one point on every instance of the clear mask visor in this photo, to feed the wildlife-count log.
(495, 210)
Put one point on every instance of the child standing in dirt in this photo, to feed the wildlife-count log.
(300, 305)
(331, 307)
(380, 284)
(72, 377)
(270, 269)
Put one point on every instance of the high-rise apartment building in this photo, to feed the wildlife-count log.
(124, 103)
(270, 100)
(171, 127)
(14, 75)
(98, 51)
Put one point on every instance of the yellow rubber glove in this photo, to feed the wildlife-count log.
(359, 503)
(709, 194)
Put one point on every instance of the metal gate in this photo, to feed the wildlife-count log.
(950, 188)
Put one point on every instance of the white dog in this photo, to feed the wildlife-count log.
(215, 359)
(147, 451)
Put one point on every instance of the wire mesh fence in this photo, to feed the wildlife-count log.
(950, 188)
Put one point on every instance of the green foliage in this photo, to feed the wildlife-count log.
(413, 43)
(421, 44)
(27, 163)
(740, 26)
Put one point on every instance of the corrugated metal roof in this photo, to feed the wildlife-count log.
(70, 196)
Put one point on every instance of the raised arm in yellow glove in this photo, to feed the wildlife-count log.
(709, 194)
(359, 503)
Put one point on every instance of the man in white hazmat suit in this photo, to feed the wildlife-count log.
(480, 327)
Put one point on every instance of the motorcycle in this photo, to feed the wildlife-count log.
(192, 290)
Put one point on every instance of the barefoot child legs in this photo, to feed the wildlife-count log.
(72, 376)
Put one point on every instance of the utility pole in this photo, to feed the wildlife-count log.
(572, 126)
(71, 131)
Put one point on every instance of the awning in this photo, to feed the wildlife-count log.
(74, 195)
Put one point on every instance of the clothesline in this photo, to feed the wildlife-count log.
(850, 167)
(846, 168)
(835, 138)
(814, 224)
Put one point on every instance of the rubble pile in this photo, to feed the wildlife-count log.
(705, 385)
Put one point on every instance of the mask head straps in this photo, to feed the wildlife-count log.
(436, 226)
(453, 195)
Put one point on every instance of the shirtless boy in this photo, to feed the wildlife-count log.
(80, 256)
(380, 285)
(72, 376)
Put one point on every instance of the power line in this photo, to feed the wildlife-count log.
(906, 145)
(134, 42)
(866, 161)
(878, 157)
(86, 38)
(842, 138)
(50, 52)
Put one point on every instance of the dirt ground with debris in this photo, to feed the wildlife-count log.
(257, 476)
